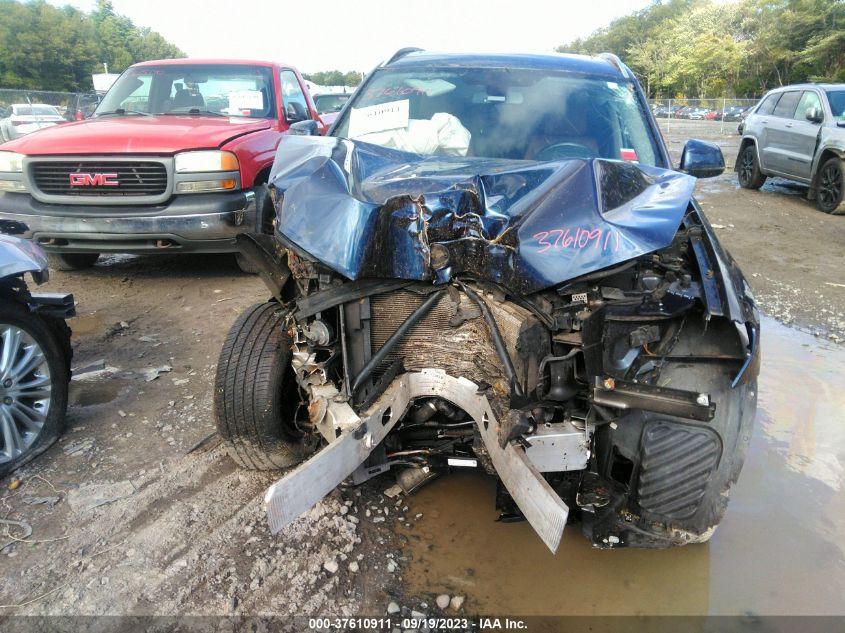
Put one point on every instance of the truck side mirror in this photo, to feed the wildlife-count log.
(813, 115)
(702, 159)
(304, 128)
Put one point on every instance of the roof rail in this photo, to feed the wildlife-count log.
(613, 59)
(401, 53)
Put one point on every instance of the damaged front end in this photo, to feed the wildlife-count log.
(572, 327)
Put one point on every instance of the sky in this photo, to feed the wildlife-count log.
(358, 34)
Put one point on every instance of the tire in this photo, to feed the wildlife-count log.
(830, 187)
(255, 393)
(264, 213)
(748, 169)
(72, 261)
(683, 470)
(28, 423)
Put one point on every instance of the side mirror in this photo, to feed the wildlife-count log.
(702, 159)
(813, 115)
(304, 128)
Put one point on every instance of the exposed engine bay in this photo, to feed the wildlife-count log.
(572, 328)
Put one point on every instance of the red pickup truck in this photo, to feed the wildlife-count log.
(175, 158)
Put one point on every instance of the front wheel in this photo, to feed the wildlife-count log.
(830, 187)
(34, 379)
(72, 261)
(748, 170)
(256, 398)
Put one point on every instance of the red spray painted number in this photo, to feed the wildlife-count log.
(579, 238)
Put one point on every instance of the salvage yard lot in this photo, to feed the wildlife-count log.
(190, 537)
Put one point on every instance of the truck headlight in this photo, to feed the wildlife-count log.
(11, 162)
(204, 186)
(205, 161)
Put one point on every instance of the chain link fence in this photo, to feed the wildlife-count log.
(716, 116)
(72, 106)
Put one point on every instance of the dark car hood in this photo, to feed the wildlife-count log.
(18, 256)
(366, 211)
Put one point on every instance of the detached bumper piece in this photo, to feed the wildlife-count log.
(304, 486)
(54, 304)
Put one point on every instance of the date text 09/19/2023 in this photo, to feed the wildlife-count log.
(387, 623)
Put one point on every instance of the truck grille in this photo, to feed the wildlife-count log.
(134, 178)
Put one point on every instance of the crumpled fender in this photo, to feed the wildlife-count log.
(19, 256)
(367, 211)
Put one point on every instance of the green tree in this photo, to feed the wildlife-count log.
(700, 48)
(43, 47)
(335, 78)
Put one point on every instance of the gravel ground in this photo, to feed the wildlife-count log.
(182, 532)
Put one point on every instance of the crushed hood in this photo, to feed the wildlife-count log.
(133, 134)
(367, 211)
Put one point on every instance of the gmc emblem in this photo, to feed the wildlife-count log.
(93, 180)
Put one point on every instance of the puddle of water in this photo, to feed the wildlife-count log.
(779, 550)
(86, 394)
(86, 324)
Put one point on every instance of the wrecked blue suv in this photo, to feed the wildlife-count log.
(491, 263)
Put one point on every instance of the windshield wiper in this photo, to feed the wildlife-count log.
(195, 112)
(123, 112)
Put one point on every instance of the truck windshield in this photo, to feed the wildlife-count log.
(227, 89)
(522, 114)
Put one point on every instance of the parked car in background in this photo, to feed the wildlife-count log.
(82, 106)
(735, 113)
(329, 105)
(697, 113)
(174, 159)
(35, 355)
(25, 118)
(523, 284)
(798, 132)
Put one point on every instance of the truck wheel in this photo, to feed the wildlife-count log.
(72, 261)
(830, 189)
(748, 170)
(34, 379)
(264, 213)
(255, 392)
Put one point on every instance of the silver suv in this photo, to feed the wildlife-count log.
(798, 132)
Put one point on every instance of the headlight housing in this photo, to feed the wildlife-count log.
(11, 162)
(204, 161)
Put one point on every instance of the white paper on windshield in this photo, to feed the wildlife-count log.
(246, 100)
(379, 118)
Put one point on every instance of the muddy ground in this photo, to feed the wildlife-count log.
(186, 535)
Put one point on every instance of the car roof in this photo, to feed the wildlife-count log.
(583, 64)
(809, 85)
(192, 61)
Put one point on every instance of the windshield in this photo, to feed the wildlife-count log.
(35, 110)
(837, 104)
(226, 89)
(500, 113)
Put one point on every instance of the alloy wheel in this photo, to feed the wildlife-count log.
(746, 167)
(24, 391)
(830, 187)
